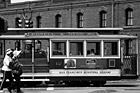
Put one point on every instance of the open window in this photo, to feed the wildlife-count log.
(17, 45)
(58, 48)
(111, 48)
(37, 45)
(93, 48)
(76, 48)
(28, 45)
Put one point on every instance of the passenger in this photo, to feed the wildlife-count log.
(17, 71)
(79, 53)
(70, 54)
(88, 52)
(7, 72)
(59, 52)
(92, 53)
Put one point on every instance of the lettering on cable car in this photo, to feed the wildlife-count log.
(85, 72)
(62, 34)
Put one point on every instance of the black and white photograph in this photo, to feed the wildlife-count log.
(69, 46)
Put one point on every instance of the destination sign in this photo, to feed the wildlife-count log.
(85, 72)
(60, 33)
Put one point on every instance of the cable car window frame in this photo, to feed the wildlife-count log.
(76, 41)
(59, 41)
(110, 41)
(94, 41)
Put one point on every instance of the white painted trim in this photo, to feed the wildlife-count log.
(69, 29)
(137, 49)
(84, 56)
(50, 48)
(85, 48)
(102, 48)
(67, 48)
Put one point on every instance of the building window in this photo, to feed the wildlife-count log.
(38, 21)
(129, 16)
(58, 21)
(80, 20)
(103, 19)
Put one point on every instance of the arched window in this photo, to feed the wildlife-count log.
(80, 20)
(103, 19)
(129, 16)
(58, 21)
(38, 21)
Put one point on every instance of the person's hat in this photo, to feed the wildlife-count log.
(8, 51)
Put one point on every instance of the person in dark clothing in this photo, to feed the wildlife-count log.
(7, 72)
(17, 71)
(17, 83)
(92, 52)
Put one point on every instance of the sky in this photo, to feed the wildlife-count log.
(18, 1)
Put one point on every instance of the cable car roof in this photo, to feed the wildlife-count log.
(64, 29)
(68, 37)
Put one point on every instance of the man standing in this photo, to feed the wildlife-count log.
(7, 72)
(17, 71)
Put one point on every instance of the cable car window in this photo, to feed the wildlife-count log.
(58, 48)
(110, 48)
(93, 48)
(76, 48)
(37, 45)
(17, 45)
(28, 46)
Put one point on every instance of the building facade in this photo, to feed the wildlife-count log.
(74, 14)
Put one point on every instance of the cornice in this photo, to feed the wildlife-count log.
(132, 27)
(50, 6)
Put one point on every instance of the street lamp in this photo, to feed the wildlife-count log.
(28, 23)
(25, 21)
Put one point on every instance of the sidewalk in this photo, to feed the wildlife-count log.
(85, 89)
(126, 80)
(74, 90)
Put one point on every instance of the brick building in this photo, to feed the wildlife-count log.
(75, 14)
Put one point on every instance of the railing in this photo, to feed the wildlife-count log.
(129, 65)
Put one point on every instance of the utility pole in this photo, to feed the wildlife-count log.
(71, 15)
(113, 5)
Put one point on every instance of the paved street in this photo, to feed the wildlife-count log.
(110, 87)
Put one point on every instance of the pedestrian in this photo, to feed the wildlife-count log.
(17, 71)
(7, 72)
